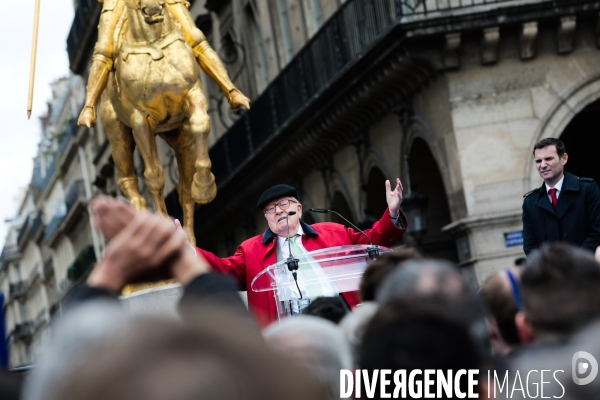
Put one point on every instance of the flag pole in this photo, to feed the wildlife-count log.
(36, 24)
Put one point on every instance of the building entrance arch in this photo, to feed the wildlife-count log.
(426, 179)
(582, 141)
(340, 205)
(557, 123)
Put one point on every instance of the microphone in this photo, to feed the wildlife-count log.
(292, 262)
(372, 250)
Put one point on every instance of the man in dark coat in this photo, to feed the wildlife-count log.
(566, 208)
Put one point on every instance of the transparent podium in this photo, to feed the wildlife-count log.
(325, 272)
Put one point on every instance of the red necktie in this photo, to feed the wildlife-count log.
(553, 196)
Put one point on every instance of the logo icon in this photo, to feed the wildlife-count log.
(581, 367)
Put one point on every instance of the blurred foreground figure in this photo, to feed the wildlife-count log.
(501, 294)
(570, 363)
(353, 325)
(561, 294)
(436, 287)
(215, 355)
(146, 247)
(381, 268)
(316, 344)
(10, 385)
(399, 339)
(376, 274)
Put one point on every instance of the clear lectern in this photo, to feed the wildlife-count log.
(325, 272)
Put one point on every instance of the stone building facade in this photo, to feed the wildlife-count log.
(50, 243)
(448, 95)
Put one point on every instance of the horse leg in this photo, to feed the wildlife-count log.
(204, 188)
(122, 147)
(143, 133)
(184, 145)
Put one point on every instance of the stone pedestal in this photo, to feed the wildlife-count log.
(159, 301)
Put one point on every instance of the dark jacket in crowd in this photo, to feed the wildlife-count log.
(575, 220)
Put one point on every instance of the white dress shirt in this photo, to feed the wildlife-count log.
(323, 288)
(558, 188)
(283, 244)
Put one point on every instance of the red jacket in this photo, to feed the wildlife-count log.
(258, 252)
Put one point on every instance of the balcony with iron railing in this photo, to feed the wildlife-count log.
(40, 321)
(82, 264)
(33, 277)
(55, 222)
(24, 228)
(22, 331)
(41, 179)
(48, 269)
(76, 191)
(17, 289)
(69, 134)
(30, 228)
(9, 252)
(36, 225)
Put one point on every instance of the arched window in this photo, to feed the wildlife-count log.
(426, 179)
(376, 200)
(581, 138)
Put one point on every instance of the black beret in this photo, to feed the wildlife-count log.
(276, 192)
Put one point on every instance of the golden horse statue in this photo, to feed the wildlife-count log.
(155, 89)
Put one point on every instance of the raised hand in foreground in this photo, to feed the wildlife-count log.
(141, 246)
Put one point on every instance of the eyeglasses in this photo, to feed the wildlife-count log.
(284, 204)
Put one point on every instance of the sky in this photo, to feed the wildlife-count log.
(19, 137)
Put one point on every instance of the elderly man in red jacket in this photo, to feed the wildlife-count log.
(258, 252)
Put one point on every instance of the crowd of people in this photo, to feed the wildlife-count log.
(414, 314)
(417, 314)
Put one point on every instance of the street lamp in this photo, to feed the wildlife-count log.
(415, 207)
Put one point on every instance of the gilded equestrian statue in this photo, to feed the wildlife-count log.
(145, 58)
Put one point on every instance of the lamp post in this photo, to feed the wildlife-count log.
(415, 207)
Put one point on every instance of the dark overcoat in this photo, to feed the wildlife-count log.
(575, 220)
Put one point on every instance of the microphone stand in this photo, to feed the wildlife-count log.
(292, 262)
(372, 250)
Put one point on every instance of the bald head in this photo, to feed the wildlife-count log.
(436, 287)
(425, 278)
(316, 344)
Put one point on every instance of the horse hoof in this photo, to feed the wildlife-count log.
(87, 117)
(204, 193)
(138, 203)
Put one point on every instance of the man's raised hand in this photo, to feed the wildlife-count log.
(393, 197)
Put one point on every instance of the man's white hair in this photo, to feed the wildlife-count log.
(316, 344)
